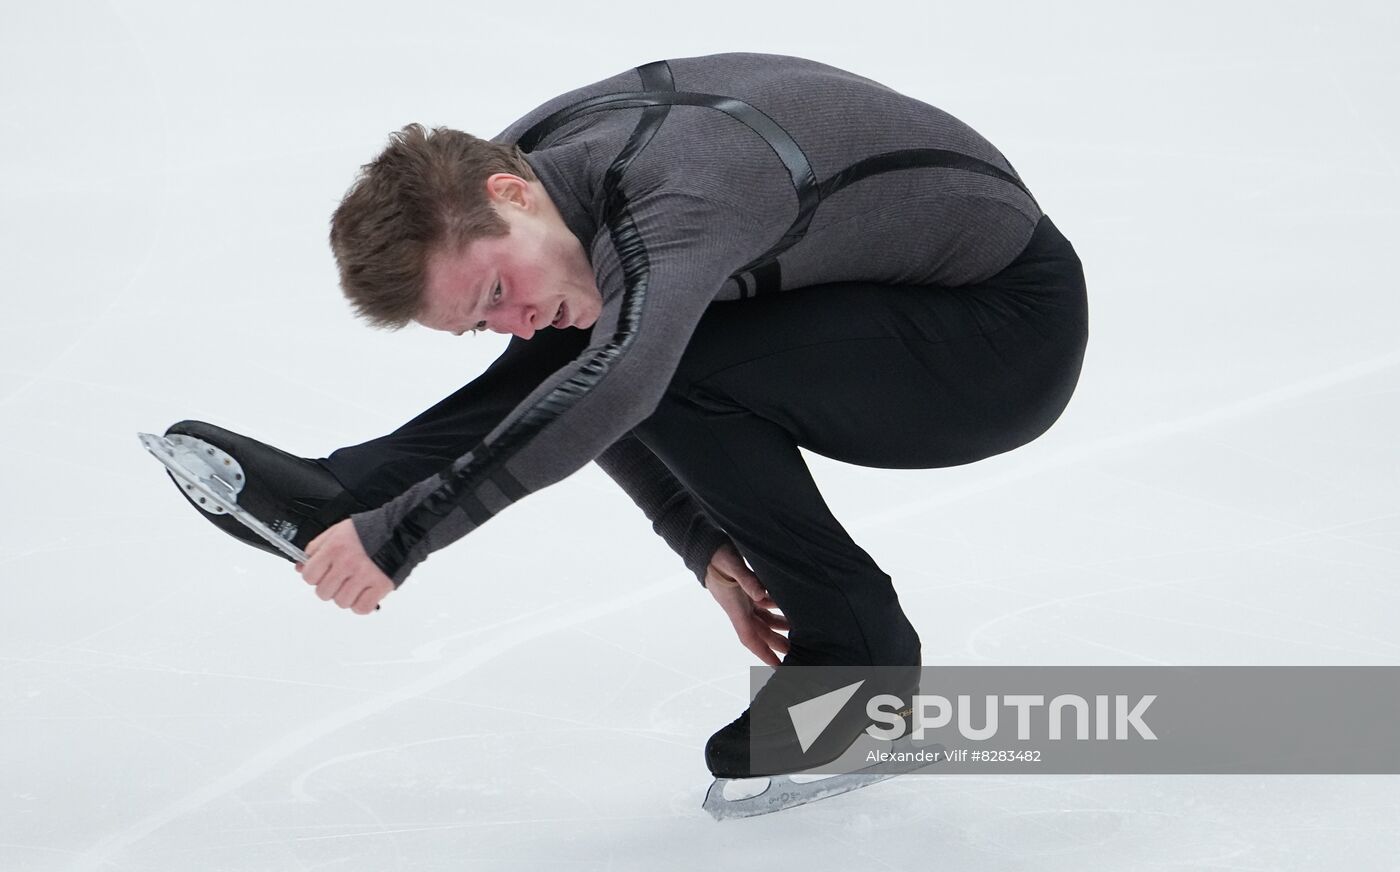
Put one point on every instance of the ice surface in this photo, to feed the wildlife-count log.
(1221, 490)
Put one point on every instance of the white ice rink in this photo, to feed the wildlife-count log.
(1222, 489)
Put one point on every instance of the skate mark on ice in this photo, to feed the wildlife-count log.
(433, 650)
(261, 762)
(696, 683)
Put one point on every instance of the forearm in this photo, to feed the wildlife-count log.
(674, 513)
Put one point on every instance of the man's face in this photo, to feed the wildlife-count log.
(535, 276)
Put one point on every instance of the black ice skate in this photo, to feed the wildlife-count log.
(258, 494)
(770, 768)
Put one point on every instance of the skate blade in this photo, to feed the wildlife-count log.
(184, 463)
(783, 792)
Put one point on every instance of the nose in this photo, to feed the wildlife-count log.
(519, 322)
(522, 322)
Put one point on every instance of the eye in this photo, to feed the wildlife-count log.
(495, 298)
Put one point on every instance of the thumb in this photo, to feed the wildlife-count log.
(751, 585)
(728, 563)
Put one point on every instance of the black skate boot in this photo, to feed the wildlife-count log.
(812, 712)
(298, 498)
(739, 750)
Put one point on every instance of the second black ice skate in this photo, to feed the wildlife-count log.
(742, 750)
(770, 749)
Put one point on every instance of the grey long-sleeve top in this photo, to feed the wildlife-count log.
(700, 179)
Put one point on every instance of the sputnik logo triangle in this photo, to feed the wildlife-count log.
(811, 718)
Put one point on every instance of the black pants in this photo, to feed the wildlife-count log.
(874, 375)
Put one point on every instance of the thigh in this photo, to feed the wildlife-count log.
(902, 376)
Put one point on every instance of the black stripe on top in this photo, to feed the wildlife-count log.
(460, 483)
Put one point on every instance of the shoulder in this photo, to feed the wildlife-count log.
(626, 80)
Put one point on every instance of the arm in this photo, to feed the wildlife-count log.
(671, 508)
(660, 263)
(435, 438)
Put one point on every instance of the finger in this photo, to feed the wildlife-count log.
(315, 569)
(748, 636)
(727, 559)
(330, 586)
(366, 602)
(348, 593)
(774, 620)
(749, 582)
(776, 642)
(719, 580)
(762, 651)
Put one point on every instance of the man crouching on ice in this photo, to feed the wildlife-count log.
(705, 264)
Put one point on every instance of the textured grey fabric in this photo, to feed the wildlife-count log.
(707, 195)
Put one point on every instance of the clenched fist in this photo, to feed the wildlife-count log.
(336, 563)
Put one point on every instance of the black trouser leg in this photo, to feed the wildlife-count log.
(876, 375)
(379, 470)
(747, 472)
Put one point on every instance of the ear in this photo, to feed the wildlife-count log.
(508, 188)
